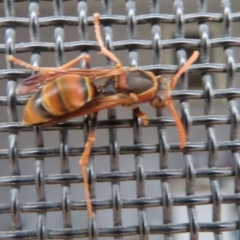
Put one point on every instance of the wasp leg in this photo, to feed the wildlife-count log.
(135, 101)
(76, 60)
(103, 49)
(35, 68)
(141, 115)
(83, 164)
(12, 59)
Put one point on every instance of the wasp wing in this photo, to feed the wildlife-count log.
(35, 82)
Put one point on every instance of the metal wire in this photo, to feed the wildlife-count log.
(191, 199)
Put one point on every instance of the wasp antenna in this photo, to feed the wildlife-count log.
(103, 49)
(183, 69)
(181, 130)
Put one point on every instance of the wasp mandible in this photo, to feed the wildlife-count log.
(62, 93)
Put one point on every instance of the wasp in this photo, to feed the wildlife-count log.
(62, 93)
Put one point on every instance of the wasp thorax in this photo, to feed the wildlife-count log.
(138, 81)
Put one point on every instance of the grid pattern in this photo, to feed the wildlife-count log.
(11, 127)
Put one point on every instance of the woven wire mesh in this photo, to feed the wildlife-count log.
(143, 186)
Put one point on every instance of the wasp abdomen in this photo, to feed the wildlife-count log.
(61, 96)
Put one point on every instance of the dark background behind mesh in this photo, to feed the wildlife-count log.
(144, 187)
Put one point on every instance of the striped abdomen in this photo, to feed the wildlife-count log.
(57, 98)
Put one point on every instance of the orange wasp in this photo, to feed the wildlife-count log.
(63, 93)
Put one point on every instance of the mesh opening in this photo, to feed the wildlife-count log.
(143, 186)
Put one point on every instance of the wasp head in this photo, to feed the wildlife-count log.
(163, 93)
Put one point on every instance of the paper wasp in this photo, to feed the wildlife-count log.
(63, 93)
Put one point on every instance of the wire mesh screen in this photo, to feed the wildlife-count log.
(142, 184)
